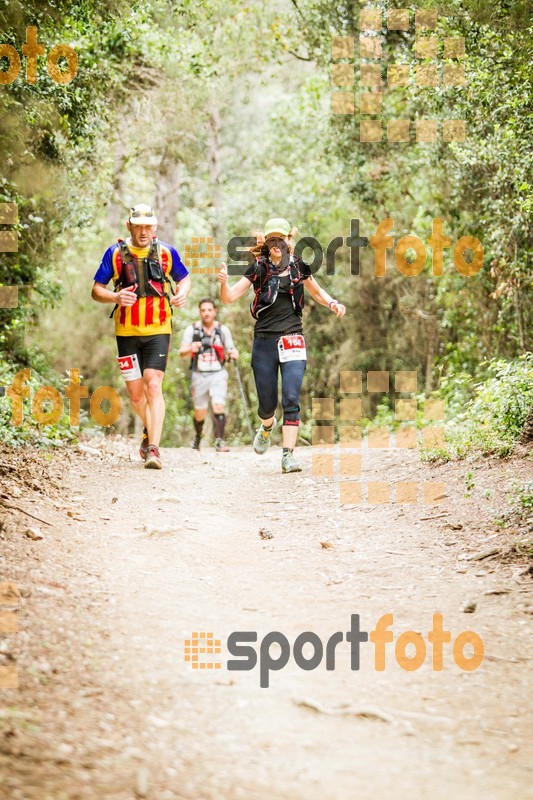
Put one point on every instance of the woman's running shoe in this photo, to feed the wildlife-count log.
(289, 463)
(262, 438)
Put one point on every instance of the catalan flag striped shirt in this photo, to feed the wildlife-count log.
(149, 315)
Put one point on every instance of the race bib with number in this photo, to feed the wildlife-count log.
(208, 362)
(292, 348)
(129, 367)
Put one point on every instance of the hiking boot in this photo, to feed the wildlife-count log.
(196, 442)
(262, 438)
(143, 449)
(153, 459)
(221, 446)
(289, 463)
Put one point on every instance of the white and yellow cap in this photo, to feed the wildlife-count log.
(142, 214)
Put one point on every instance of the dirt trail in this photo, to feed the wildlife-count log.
(108, 708)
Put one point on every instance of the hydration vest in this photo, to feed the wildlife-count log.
(147, 273)
(266, 285)
(218, 349)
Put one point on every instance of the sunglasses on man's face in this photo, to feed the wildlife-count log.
(274, 241)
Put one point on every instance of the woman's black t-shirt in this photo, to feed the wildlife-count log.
(279, 319)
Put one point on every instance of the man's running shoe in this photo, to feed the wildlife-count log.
(153, 459)
(289, 463)
(262, 438)
(221, 446)
(143, 449)
(196, 442)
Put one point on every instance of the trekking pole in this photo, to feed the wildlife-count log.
(243, 398)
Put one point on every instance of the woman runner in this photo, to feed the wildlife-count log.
(278, 279)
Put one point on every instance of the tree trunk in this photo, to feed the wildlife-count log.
(527, 431)
(215, 167)
(166, 202)
(432, 329)
(215, 179)
(520, 319)
(116, 209)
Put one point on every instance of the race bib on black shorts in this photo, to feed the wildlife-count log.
(129, 367)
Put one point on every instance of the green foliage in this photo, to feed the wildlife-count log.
(30, 431)
(493, 419)
(502, 403)
(524, 496)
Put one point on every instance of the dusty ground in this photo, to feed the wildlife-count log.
(135, 561)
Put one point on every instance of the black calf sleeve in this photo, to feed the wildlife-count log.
(291, 415)
(220, 424)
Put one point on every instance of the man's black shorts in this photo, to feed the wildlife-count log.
(151, 351)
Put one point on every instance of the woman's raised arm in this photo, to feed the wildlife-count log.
(228, 293)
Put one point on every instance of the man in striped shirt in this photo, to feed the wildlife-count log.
(142, 268)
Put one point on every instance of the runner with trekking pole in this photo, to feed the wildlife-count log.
(278, 279)
(209, 345)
